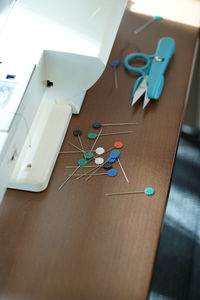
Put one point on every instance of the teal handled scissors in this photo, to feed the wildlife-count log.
(151, 80)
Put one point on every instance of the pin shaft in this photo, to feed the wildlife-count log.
(99, 134)
(125, 176)
(115, 78)
(73, 167)
(81, 144)
(119, 124)
(123, 193)
(116, 133)
(60, 187)
(75, 146)
(87, 172)
(93, 172)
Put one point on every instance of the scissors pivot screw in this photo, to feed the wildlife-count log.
(159, 58)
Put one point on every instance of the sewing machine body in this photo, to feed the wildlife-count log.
(51, 55)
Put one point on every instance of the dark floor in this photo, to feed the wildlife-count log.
(177, 269)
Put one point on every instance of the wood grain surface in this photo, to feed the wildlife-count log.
(77, 243)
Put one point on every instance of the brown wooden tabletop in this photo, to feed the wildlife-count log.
(77, 243)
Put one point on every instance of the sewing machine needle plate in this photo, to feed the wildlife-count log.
(140, 91)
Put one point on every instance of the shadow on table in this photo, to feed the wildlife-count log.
(177, 268)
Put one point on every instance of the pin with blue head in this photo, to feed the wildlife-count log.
(115, 64)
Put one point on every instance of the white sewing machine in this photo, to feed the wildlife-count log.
(51, 53)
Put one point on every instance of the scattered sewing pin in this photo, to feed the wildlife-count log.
(115, 64)
(60, 187)
(78, 133)
(74, 167)
(99, 125)
(96, 170)
(110, 173)
(99, 134)
(75, 146)
(125, 176)
(153, 19)
(92, 170)
(71, 152)
(116, 133)
(149, 191)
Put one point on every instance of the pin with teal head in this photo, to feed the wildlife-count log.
(149, 191)
(82, 162)
(145, 25)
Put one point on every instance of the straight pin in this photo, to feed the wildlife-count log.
(70, 152)
(149, 191)
(78, 133)
(93, 173)
(60, 187)
(145, 25)
(110, 173)
(99, 125)
(96, 140)
(116, 133)
(93, 136)
(115, 64)
(86, 173)
(74, 167)
(74, 146)
(125, 176)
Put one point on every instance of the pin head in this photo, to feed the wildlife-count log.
(149, 191)
(89, 155)
(92, 136)
(107, 166)
(99, 160)
(77, 132)
(114, 154)
(158, 17)
(110, 160)
(96, 125)
(118, 145)
(82, 162)
(114, 64)
(112, 173)
(100, 150)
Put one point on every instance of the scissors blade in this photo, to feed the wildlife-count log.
(146, 100)
(140, 90)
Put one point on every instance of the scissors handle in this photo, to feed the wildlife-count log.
(162, 56)
(141, 70)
